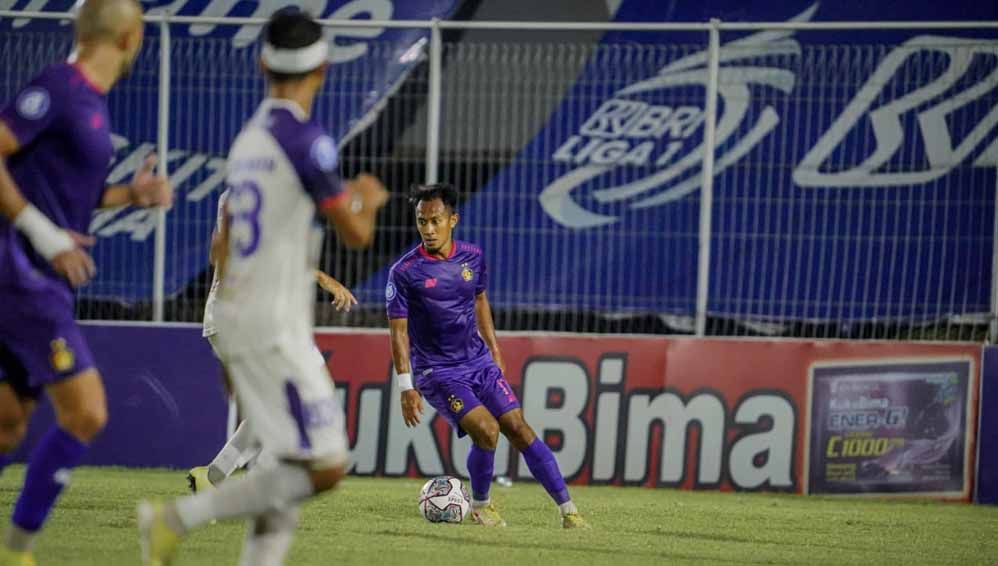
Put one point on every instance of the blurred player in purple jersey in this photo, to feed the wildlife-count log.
(442, 332)
(56, 147)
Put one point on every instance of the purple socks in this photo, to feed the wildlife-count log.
(544, 467)
(481, 463)
(56, 454)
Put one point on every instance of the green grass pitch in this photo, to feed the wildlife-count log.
(375, 521)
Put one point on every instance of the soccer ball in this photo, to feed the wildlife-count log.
(444, 500)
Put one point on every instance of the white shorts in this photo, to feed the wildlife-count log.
(289, 405)
(213, 342)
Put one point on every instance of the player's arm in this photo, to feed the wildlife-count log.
(343, 299)
(218, 251)
(354, 214)
(146, 189)
(59, 246)
(487, 328)
(412, 402)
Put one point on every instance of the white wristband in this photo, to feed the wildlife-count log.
(48, 239)
(405, 382)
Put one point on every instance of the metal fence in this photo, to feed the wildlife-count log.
(746, 245)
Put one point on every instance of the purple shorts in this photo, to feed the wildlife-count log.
(453, 392)
(40, 342)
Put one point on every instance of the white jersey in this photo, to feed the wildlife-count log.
(209, 305)
(280, 171)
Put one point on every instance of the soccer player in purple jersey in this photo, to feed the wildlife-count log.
(442, 331)
(56, 147)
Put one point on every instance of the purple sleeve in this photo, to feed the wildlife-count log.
(318, 170)
(33, 109)
(312, 152)
(483, 276)
(396, 296)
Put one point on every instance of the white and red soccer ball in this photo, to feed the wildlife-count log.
(444, 499)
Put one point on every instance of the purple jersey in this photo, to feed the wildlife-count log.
(61, 124)
(438, 298)
(60, 121)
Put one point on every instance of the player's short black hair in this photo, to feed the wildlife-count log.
(291, 28)
(443, 191)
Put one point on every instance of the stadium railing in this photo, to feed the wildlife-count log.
(760, 238)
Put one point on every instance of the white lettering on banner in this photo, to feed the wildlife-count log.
(675, 416)
(247, 34)
(887, 122)
(774, 445)
(661, 142)
(607, 417)
(661, 139)
(752, 447)
(364, 454)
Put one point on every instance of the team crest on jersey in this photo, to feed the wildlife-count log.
(455, 404)
(323, 152)
(62, 357)
(390, 291)
(33, 103)
(466, 273)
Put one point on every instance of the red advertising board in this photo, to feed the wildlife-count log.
(679, 412)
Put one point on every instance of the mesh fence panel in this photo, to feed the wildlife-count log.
(788, 258)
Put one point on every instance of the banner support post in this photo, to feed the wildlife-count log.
(162, 150)
(433, 104)
(707, 183)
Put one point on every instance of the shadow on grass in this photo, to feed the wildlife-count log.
(617, 552)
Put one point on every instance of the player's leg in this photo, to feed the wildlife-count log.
(47, 341)
(241, 447)
(17, 403)
(297, 420)
(451, 394)
(81, 413)
(483, 429)
(497, 395)
(14, 415)
(542, 464)
(268, 537)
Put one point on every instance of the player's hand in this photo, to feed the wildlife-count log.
(412, 407)
(343, 299)
(76, 265)
(149, 189)
(371, 191)
(501, 364)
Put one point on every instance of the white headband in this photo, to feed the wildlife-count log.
(295, 60)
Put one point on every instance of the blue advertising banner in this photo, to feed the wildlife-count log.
(854, 170)
(880, 428)
(215, 87)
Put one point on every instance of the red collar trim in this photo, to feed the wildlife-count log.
(426, 254)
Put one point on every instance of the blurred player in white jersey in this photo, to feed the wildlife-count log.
(242, 447)
(282, 171)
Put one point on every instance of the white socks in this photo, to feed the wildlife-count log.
(567, 508)
(479, 504)
(275, 488)
(240, 448)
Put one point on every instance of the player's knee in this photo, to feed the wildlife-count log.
(487, 434)
(12, 431)
(86, 422)
(327, 478)
(519, 433)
